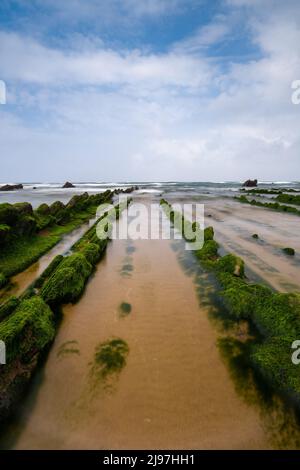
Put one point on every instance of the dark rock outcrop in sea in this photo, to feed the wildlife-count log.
(11, 187)
(250, 183)
(68, 185)
(126, 191)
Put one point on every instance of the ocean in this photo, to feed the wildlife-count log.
(37, 193)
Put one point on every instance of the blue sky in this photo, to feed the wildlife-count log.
(149, 90)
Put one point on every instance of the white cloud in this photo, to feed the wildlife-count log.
(27, 60)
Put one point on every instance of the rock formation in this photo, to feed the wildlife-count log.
(68, 185)
(250, 183)
(11, 187)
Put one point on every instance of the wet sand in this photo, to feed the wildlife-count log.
(235, 223)
(234, 229)
(176, 389)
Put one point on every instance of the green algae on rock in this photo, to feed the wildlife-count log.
(289, 251)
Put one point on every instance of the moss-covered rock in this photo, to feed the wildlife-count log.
(8, 214)
(78, 202)
(4, 234)
(289, 199)
(209, 251)
(8, 307)
(243, 199)
(43, 216)
(26, 225)
(289, 251)
(16, 220)
(27, 330)
(269, 205)
(48, 271)
(231, 264)
(208, 233)
(44, 221)
(279, 315)
(273, 360)
(241, 298)
(56, 207)
(24, 208)
(3, 280)
(43, 209)
(68, 280)
(59, 212)
(100, 198)
(92, 252)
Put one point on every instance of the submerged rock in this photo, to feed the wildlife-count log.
(289, 251)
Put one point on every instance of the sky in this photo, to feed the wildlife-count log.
(149, 90)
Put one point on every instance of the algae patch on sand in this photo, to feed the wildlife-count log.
(110, 357)
(125, 308)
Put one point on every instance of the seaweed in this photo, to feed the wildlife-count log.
(289, 251)
(125, 308)
(289, 199)
(110, 357)
(269, 205)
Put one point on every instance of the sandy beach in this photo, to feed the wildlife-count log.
(177, 388)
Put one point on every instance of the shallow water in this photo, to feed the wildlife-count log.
(174, 387)
(235, 223)
(38, 193)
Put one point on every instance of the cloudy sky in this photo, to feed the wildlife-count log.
(149, 90)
